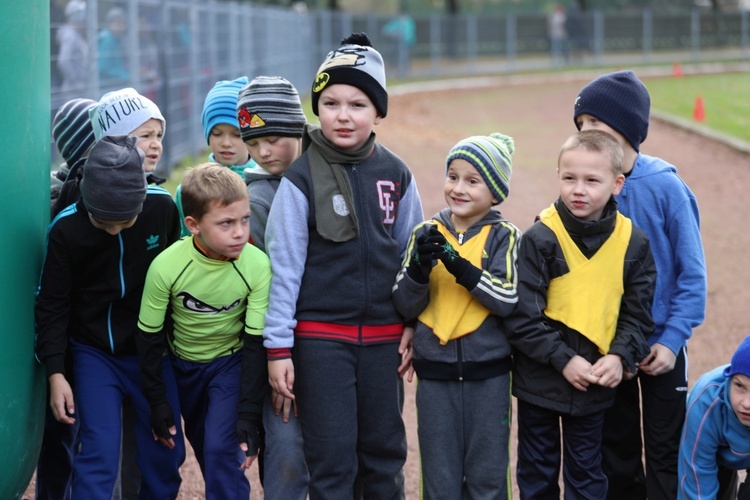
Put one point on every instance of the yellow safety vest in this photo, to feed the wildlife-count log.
(587, 298)
(452, 311)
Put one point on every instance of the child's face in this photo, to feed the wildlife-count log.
(587, 181)
(227, 146)
(224, 230)
(150, 135)
(274, 153)
(739, 397)
(467, 194)
(112, 227)
(346, 116)
(117, 26)
(588, 122)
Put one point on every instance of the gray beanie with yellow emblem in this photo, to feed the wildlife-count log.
(354, 63)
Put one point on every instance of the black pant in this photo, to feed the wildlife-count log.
(728, 489)
(663, 398)
(539, 454)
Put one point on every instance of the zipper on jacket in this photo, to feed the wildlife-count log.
(122, 294)
(362, 245)
(460, 360)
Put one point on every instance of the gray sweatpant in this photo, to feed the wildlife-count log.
(464, 431)
(350, 400)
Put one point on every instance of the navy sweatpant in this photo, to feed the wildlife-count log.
(539, 454)
(102, 381)
(209, 397)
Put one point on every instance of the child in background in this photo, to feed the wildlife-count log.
(220, 126)
(459, 281)
(112, 62)
(121, 112)
(126, 112)
(74, 138)
(271, 124)
(98, 252)
(714, 442)
(215, 287)
(657, 201)
(73, 57)
(586, 277)
(336, 235)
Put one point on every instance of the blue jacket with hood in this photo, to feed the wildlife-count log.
(657, 200)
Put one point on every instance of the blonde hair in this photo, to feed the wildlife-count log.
(596, 141)
(209, 183)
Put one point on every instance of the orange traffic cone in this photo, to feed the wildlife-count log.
(677, 70)
(699, 113)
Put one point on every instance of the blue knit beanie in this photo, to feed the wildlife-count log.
(740, 360)
(220, 105)
(72, 130)
(621, 101)
(490, 155)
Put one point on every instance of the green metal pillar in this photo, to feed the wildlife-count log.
(24, 216)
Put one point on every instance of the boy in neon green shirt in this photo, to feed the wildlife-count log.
(215, 286)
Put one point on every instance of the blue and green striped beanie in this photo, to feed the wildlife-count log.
(220, 105)
(490, 155)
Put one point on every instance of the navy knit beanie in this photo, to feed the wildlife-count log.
(490, 155)
(354, 63)
(72, 129)
(740, 360)
(621, 101)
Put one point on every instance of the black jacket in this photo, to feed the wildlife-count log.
(91, 282)
(542, 347)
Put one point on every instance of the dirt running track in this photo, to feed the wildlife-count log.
(421, 128)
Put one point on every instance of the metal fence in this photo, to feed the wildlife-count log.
(173, 51)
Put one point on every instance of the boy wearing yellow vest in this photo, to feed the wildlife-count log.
(458, 282)
(586, 285)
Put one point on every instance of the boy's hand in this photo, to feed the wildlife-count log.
(609, 370)
(628, 375)
(578, 373)
(466, 273)
(249, 438)
(406, 351)
(162, 424)
(283, 406)
(61, 399)
(660, 361)
(281, 377)
(424, 254)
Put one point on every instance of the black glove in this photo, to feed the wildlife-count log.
(466, 273)
(247, 432)
(425, 252)
(162, 418)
